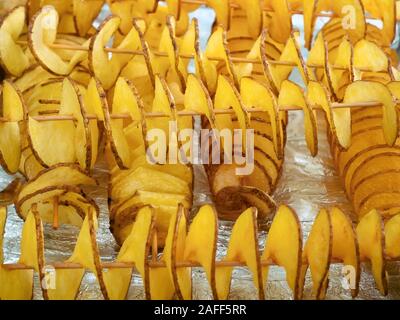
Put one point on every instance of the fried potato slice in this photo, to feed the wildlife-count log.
(135, 249)
(203, 103)
(247, 69)
(205, 70)
(163, 102)
(52, 142)
(386, 11)
(182, 277)
(86, 253)
(8, 194)
(359, 165)
(123, 10)
(217, 48)
(292, 95)
(161, 282)
(32, 6)
(174, 8)
(210, 74)
(28, 80)
(284, 246)
(57, 175)
(44, 195)
(13, 106)
(14, 110)
(32, 242)
(18, 284)
(94, 101)
(394, 88)
(234, 193)
(309, 18)
(12, 56)
(368, 55)
(371, 185)
(42, 34)
(317, 254)
(363, 91)
(72, 204)
(239, 250)
(68, 212)
(365, 144)
(164, 206)
(62, 6)
(318, 56)
(290, 53)
(72, 104)
(201, 243)
(222, 11)
(340, 79)
(155, 23)
(177, 170)
(149, 180)
(140, 69)
(156, 199)
(49, 90)
(345, 244)
(353, 18)
(161, 286)
(190, 45)
(339, 120)
(392, 237)
(85, 12)
(226, 97)
(254, 17)
(280, 23)
(171, 67)
(371, 241)
(377, 164)
(265, 40)
(105, 69)
(256, 95)
(125, 100)
(67, 24)
(150, 5)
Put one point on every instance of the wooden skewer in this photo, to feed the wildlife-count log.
(155, 264)
(230, 111)
(237, 6)
(47, 112)
(48, 101)
(154, 248)
(127, 265)
(55, 213)
(189, 56)
(58, 117)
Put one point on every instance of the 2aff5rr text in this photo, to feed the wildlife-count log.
(201, 309)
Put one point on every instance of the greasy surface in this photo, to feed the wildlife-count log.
(307, 185)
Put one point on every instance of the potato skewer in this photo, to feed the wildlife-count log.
(139, 251)
(370, 104)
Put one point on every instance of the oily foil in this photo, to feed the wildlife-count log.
(307, 185)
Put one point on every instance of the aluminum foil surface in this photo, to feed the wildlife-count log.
(307, 185)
